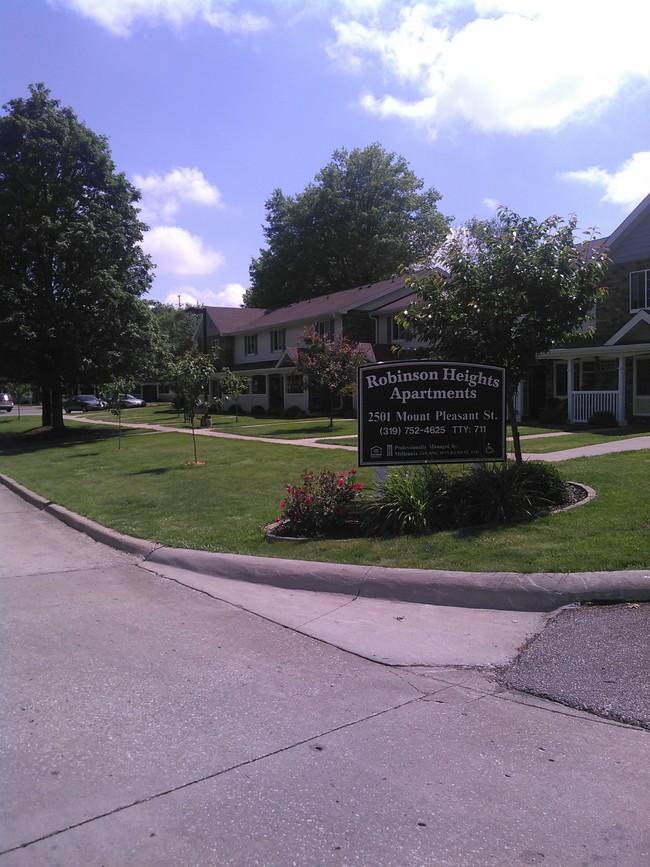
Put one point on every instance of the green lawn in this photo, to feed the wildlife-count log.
(149, 489)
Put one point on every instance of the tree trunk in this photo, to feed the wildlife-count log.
(194, 440)
(512, 418)
(57, 408)
(46, 415)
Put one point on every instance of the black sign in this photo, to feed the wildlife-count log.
(420, 412)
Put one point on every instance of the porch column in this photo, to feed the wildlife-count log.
(620, 400)
(569, 389)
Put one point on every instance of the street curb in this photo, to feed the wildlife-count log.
(96, 531)
(508, 591)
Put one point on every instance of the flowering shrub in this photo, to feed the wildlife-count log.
(319, 504)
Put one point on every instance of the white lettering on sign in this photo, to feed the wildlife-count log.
(398, 377)
(433, 394)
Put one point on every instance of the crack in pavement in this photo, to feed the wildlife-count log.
(212, 776)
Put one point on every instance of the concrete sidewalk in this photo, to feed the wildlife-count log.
(623, 445)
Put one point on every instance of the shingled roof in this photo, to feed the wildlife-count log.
(235, 320)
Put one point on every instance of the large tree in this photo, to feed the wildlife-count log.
(364, 216)
(72, 271)
(177, 324)
(516, 287)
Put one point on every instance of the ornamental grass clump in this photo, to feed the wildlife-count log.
(319, 505)
(411, 502)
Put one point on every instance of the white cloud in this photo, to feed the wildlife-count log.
(626, 186)
(510, 66)
(230, 296)
(176, 251)
(162, 195)
(120, 16)
(492, 205)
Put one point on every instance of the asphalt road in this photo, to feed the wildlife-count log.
(596, 658)
(148, 723)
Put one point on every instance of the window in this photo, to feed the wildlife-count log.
(250, 344)
(639, 290)
(295, 384)
(259, 385)
(584, 376)
(325, 328)
(278, 341)
(398, 332)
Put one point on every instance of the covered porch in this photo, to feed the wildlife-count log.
(604, 379)
(272, 389)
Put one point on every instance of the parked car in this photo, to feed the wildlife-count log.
(6, 401)
(127, 401)
(84, 402)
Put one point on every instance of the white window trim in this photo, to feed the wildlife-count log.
(645, 291)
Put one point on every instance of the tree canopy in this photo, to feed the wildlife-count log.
(516, 287)
(72, 271)
(177, 324)
(365, 215)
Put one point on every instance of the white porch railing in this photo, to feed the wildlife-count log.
(586, 403)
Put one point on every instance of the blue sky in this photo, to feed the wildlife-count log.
(209, 105)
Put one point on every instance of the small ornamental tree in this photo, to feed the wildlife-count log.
(516, 288)
(233, 386)
(116, 389)
(191, 375)
(330, 365)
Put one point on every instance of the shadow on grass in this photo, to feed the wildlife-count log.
(40, 438)
(157, 471)
(302, 433)
(622, 431)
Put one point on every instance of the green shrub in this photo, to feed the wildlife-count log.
(507, 493)
(420, 500)
(319, 505)
(603, 418)
(555, 413)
